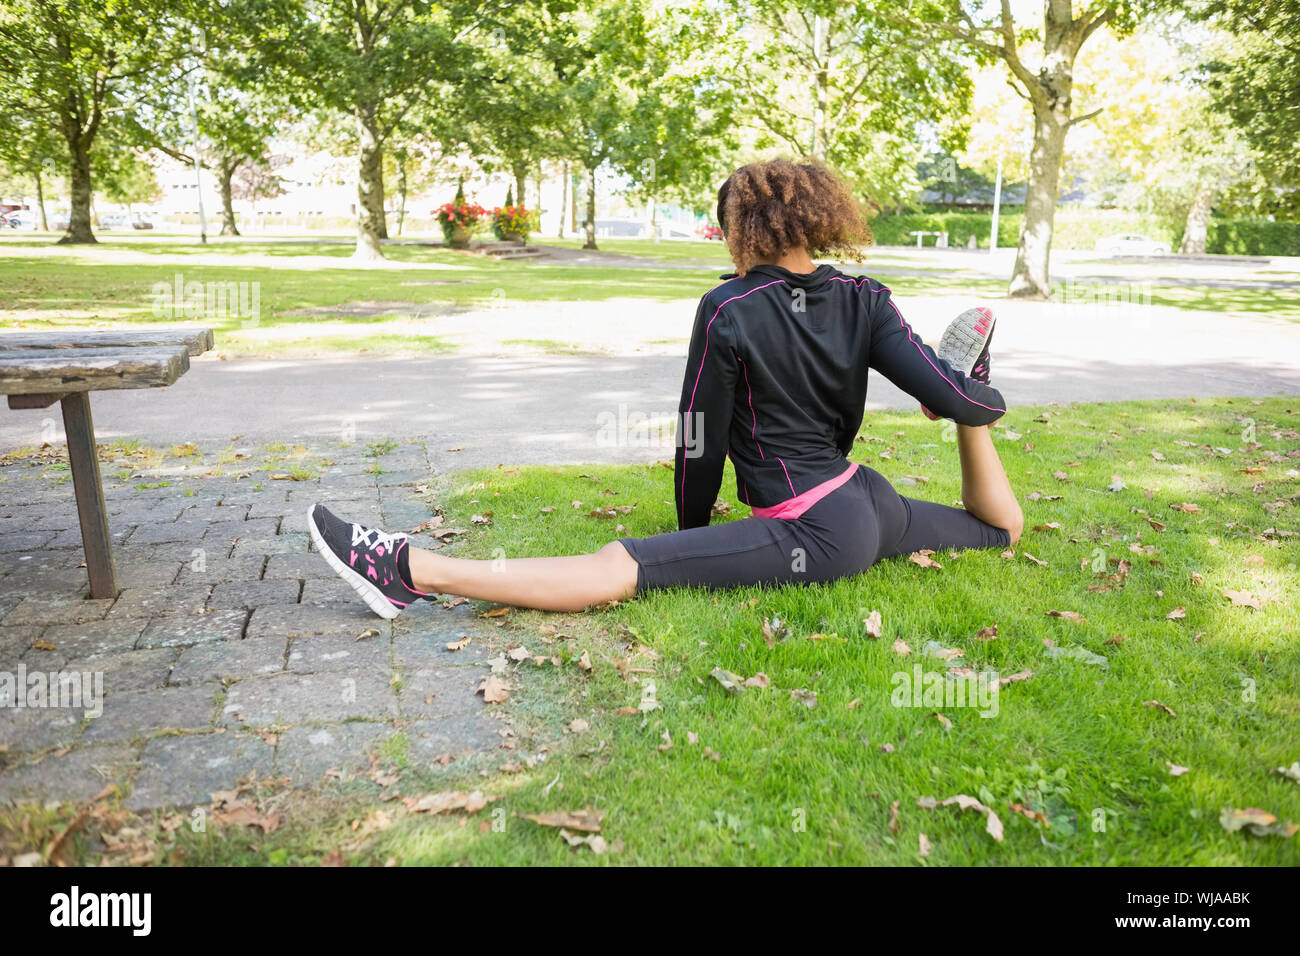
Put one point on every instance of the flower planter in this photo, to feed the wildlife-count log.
(458, 237)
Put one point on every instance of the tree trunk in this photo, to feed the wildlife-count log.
(520, 170)
(79, 182)
(370, 189)
(573, 201)
(1050, 91)
(1198, 223)
(1030, 278)
(590, 224)
(40, 200)
(226, 170)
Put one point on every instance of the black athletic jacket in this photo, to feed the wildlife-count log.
(777, 378)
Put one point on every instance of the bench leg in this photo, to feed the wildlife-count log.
(90, 495)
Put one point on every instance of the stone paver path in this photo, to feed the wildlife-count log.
(232, 652)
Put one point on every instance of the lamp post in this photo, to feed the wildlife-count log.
(997, 204)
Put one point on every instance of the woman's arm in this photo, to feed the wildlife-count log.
(899, 354)
(704, 418)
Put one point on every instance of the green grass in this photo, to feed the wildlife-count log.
(1074, 741)
(66, 289)
(674, 250)
(548, 346)
(769, 780)
(1283, 303)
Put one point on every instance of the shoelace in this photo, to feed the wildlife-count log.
(362, 536)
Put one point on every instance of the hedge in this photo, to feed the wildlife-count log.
(1075, 228)
(1253, 237)
(1081, 228)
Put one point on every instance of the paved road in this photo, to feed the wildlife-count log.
(532, 408)
(544, 408)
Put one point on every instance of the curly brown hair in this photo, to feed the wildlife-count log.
(768, 207)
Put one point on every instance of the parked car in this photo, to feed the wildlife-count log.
(1131, 244)
(709, 232)
(121, 220)
(10, 221)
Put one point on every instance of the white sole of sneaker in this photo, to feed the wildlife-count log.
(962, 340)
(373, 597)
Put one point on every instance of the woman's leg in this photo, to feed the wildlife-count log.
(991, 517)
(837, 537)
(548, 584)
(985, 490)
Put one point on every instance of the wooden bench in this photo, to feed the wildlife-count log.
(38, 369)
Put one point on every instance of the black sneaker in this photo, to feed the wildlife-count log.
(965, 343)
(366, 558)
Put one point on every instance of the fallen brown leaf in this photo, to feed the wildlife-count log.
(588, 820)
(55, 853)
(245, 814)
(1015, 678)
(992, 825)
(493, 689)
(448, 800)
(872, 623)
(1074, 616)
(1034, 815)
(1257, 821)
(1243, 599)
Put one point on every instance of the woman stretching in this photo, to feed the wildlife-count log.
(776, 378)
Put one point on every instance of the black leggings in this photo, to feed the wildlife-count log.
(859, 523)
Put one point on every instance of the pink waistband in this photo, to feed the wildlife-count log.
(792, 508)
